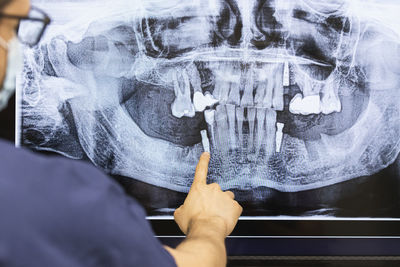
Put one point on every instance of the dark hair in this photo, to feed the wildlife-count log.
(4, 3)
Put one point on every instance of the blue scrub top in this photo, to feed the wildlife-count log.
(60, 212)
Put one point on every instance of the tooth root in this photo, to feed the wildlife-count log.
(234, 95)
(205, 141)
(209, 116)
(230, 110)
(240, 120)
(251, 114)
(269, 90)
(315, 149)
(286, 74)
(182, 105)
(330, 102)
(194, 77)
(279, 136)
(260, 94)
(277, 101)
(221, 128)
(270, 128)
(260, 115)
(247, 98)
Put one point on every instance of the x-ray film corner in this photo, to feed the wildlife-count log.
(293, 95)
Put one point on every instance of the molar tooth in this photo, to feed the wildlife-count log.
(230, 110)
(277, 101)
(260, 115)
(330, 102)
(182, 105)
(305, 106)
(251, 114)
(279, 136)
(201, 101)
(270, 128)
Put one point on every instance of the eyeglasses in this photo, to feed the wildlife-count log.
(33, 26)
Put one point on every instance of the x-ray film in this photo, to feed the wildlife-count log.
(300, 100)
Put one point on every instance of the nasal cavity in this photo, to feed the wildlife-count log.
(229, 25)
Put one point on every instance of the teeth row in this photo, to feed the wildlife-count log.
(238, 89)
(228, 124)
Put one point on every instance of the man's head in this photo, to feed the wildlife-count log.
(8, 26)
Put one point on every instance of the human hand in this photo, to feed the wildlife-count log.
(208, 203)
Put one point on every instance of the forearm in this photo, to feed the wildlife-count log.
(203, 246)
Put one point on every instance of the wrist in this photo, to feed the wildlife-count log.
(214, 226)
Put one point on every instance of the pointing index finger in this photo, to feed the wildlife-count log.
(200, 176)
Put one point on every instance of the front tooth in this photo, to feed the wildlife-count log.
(240, 121)
(330, 101)
(234, 94)
(269, 88)
(277, 100)
(182, 105)
(251, 114)
(224, 80)
(270, 128)
(230, 110)
(260, 93)
(279, 136)
(260, 115)
(221, 128)
(305, 106)
(247, 98)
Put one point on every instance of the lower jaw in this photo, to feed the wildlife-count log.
(359, 151)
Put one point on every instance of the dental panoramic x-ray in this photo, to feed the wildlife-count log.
(300, 99)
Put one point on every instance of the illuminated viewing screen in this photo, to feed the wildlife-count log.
(300, 99)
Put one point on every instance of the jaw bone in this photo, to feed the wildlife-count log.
(182, 105)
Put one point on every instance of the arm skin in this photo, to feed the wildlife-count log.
(207, 216)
